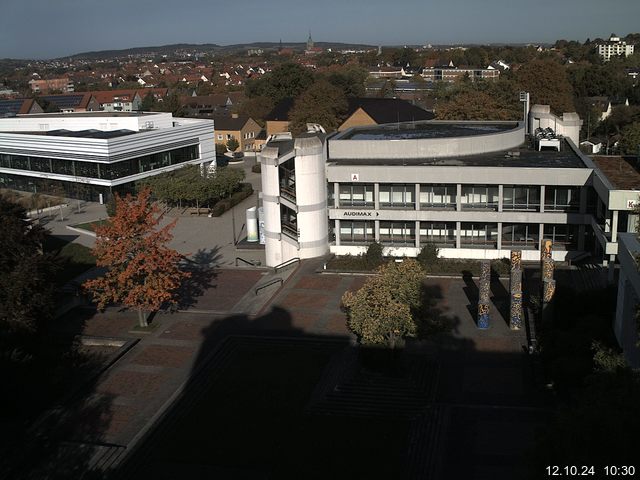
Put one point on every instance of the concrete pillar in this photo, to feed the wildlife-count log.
(500, 199)
(458, 227)
(614, 226)
(418, 234)
(417, 196)
(499, 236)
(336, 195)
(540, 236)
(542, 194)
(376, 196)
(376, 230)
(459, 198)
(336, 230)
(611, 268)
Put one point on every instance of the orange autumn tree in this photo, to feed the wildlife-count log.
(142, 272)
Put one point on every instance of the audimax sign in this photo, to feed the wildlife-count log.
(362, 214)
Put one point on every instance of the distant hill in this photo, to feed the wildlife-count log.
(208, 48)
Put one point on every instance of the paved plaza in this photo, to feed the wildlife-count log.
(475, 386)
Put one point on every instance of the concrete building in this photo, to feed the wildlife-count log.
(90, 155)
(475, 189)
(625, 325)
(453, 74)
(614, 48)
(294, 198)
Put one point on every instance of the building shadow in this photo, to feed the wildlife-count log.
(501, 298)
(473, 294)
(54, 422)
(265, 399)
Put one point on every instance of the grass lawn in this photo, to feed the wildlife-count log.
(252, 418)
(91, 226)
(74, 258)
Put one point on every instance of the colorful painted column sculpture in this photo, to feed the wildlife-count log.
(484, 290)
(515, 314)
(548, 286)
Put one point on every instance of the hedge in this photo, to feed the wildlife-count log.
(246, 190)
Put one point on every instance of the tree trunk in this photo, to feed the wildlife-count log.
(142, 318)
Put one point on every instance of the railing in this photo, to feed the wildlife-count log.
(257, 263)
(286, 264)
(288, 192)
(273, 281)
(290, 230)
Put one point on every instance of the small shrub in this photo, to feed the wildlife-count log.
(374, 256)
(428, 255)
(256, 168)
(111, 205)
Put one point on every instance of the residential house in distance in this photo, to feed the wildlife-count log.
(361, 112)
(73, 102)
(19, 106)
(118, 100)
(241, 127)
(210, 105)
(53, 84)
(605, 105)
(614, 48)
(377, 111)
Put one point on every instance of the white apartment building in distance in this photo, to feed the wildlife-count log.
(614, 48)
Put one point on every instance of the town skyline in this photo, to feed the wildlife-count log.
(67, 29)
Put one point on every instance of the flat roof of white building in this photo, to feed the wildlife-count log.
(64, 124)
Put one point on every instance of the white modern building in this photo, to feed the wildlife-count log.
(90, 155)
(474, 189)
(614, 48)
(294, 198)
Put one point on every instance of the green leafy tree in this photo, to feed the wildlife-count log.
(149, 103)
(256, 108)
(386, 308)
(374, 255)
(630, 141)
(548, 83)
(321, 103)
(26, 287)
(475, 105)
(428, 255)
(286, 80)
(232, 144)
(351, 80)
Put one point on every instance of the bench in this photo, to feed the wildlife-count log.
(198, 211)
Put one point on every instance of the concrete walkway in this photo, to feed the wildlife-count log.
(204, 239)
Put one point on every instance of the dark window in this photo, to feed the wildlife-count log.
(356, 195)
(359, 232)
(398, 233)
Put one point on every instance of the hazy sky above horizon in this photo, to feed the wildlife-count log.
(55, 28)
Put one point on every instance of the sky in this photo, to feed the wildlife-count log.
(40, 29)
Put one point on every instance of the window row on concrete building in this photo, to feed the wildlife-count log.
(453, 196)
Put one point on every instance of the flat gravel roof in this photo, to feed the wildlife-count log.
(412, 131)
(522, 157)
